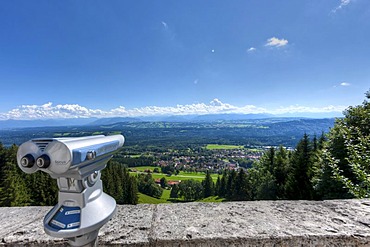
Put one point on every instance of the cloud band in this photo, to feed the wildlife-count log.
(49, 111)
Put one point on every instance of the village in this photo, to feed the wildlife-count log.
(193, 163)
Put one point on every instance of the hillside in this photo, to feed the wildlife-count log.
(269, 131)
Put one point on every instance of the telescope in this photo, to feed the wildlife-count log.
(82, 208)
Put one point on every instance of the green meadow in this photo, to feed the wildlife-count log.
(165, 198)
(199, 176)
(220, 147)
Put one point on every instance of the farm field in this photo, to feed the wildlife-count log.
(199, 176)
(224, 147)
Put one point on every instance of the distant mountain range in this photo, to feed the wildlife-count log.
(13, 124)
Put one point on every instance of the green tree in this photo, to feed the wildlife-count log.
(118, 183)
(218, 185)
(280, 171)
(262, 183)
(230, 185)
(222, 190)
(14, 191)
(267, 177)
(43, 189)
(132, 196)
(147, 185)
(174, 191)
(241, 191)
(208, 185)
(191, 190)
(345, 166)
(163, 182)
(299, 181)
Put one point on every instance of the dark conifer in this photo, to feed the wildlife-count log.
(208, 185)
(174, 191)
(299, 182)
(241, 192)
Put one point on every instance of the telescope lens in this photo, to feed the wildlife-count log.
(28, 161)
(43, 161)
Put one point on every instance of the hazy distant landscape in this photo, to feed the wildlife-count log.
(178, 149)
(234, 130)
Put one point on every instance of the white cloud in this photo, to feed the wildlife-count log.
(342, 84)
(342, 4)
(306, 109)
(216, 106)
(252, 49)
(164, 25)
(275, 42)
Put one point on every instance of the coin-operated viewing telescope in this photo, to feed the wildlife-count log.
(83, 208)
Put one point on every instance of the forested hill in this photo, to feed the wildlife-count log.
(273, 131)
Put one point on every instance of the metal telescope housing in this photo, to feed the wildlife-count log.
(83, 208)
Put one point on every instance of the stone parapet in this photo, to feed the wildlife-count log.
(255, 223)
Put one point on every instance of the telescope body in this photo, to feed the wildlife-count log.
(83, 208)
(68, 157)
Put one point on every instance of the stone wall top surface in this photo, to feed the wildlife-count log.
(268, 223)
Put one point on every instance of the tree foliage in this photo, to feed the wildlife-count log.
(119, 184)
(147, 185)
(191, 190)
(344, 169)
(208, 185)
(174, 191)
(39, 189)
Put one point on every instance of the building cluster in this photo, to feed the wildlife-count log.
(214, 160)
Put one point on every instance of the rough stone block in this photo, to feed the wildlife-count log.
(257, 223)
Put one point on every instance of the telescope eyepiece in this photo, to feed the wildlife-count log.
(43, 161)
(28, 161)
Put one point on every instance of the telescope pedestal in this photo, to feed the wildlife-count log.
(82, 209)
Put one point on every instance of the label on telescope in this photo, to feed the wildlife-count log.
(66, 218)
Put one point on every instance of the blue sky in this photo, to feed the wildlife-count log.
(62, 59)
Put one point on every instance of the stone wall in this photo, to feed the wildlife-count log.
(257, 223)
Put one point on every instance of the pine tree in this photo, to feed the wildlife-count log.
(280, 171)
(346, 155)
(217, 186)
(208, 185)
(241, 192)
(264, 174)
(163, 182)
(269, 159)
(14, 191)
(174, 191)
(124, 183)
(119, 184)
(230, 185)
(321, 141)
(222, 190)
(299, 181)
(133, 197)
(262, 183)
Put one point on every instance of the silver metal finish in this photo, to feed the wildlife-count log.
(83, 208)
